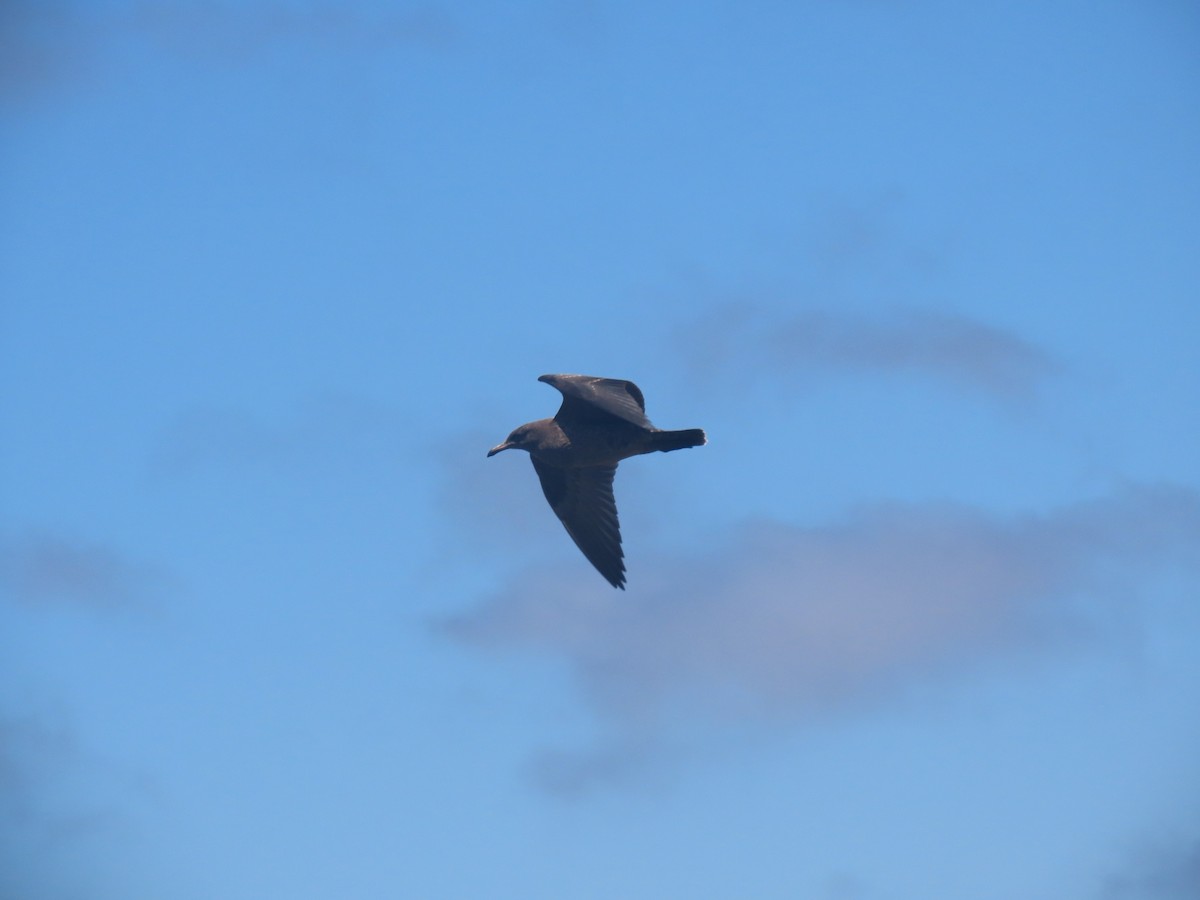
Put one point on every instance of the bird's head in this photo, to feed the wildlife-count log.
(520, 439)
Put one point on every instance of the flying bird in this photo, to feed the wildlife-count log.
(601, 422)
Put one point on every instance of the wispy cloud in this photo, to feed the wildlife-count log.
(1162, 873)
(239, 30)
(29, 750)
(31, 756)
(747, 341)
(45, 568)
(45, 44)
(782, 622)
(54, 791)
(41, 45)
(56, 796)
(329, 426)
(496, 504)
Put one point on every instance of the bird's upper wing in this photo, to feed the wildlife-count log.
(588, 398)
(582, 499)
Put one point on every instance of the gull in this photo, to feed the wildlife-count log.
(601, 422)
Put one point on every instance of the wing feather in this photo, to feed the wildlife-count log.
(582, 498)
(588, 397)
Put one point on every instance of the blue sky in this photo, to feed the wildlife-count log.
(920, 621)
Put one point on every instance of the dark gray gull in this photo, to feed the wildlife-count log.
(601, 422)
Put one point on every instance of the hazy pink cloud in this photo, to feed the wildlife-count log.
(781, 621)
(746, 341)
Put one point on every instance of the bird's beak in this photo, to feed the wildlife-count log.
(505, 446)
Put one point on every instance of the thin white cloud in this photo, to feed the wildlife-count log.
(748, 341)
(781, 622)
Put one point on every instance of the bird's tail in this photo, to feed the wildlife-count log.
(678, 440)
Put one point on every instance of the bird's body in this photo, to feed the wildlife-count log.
(575, 454)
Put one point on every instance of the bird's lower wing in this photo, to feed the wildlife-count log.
(583, 500)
